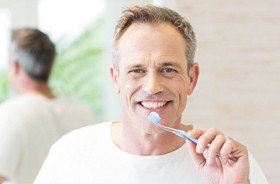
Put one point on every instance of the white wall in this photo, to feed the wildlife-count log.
(238, 89)
(23, 12)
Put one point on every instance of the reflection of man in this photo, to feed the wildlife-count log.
(33, 121)
(153, 71)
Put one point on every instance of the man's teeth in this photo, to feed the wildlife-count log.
(153, 105)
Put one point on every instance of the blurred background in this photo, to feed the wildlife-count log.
(238, 52)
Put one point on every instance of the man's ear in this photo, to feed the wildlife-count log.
(115, 78)
(15, 67)
(193, 75)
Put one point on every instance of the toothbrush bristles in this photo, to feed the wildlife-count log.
(154, 117)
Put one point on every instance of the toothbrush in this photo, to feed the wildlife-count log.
(154, 117)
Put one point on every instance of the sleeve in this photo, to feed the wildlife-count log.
(11, 144)
(256, 174)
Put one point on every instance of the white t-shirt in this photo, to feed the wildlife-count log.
(89, 156)
(29, 125)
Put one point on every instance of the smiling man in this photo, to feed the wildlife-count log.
(153, 71)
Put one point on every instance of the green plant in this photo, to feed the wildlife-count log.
(78, 68)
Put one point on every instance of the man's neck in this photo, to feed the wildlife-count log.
(37, 88)
(139, 143)
(43, 92)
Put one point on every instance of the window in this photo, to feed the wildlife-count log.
(76, 27)
(68, 18)
(4, 37)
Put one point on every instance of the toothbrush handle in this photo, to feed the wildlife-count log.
(185, 135)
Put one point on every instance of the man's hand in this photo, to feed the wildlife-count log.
(225, 160)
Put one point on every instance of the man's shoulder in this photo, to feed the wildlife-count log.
(11, 105)
(71, 104)
(91, 130)
(82, 136)
(67, 100)
(20, 101)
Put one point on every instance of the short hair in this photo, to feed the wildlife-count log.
(34, 52)
(154, 14)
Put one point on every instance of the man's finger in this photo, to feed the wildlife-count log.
(198, 158)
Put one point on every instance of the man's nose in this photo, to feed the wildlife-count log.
(153, 84)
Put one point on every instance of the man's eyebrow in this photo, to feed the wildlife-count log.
(162, 64)
(136, 65)
(167, 63)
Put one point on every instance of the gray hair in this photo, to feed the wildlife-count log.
(34, 52)
(153, 14)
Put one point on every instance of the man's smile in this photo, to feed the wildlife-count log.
(153, 105)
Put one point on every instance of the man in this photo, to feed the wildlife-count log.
(153, 71)
(31, 122)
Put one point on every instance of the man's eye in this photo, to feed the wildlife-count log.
(135, 73)
(168, 70)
